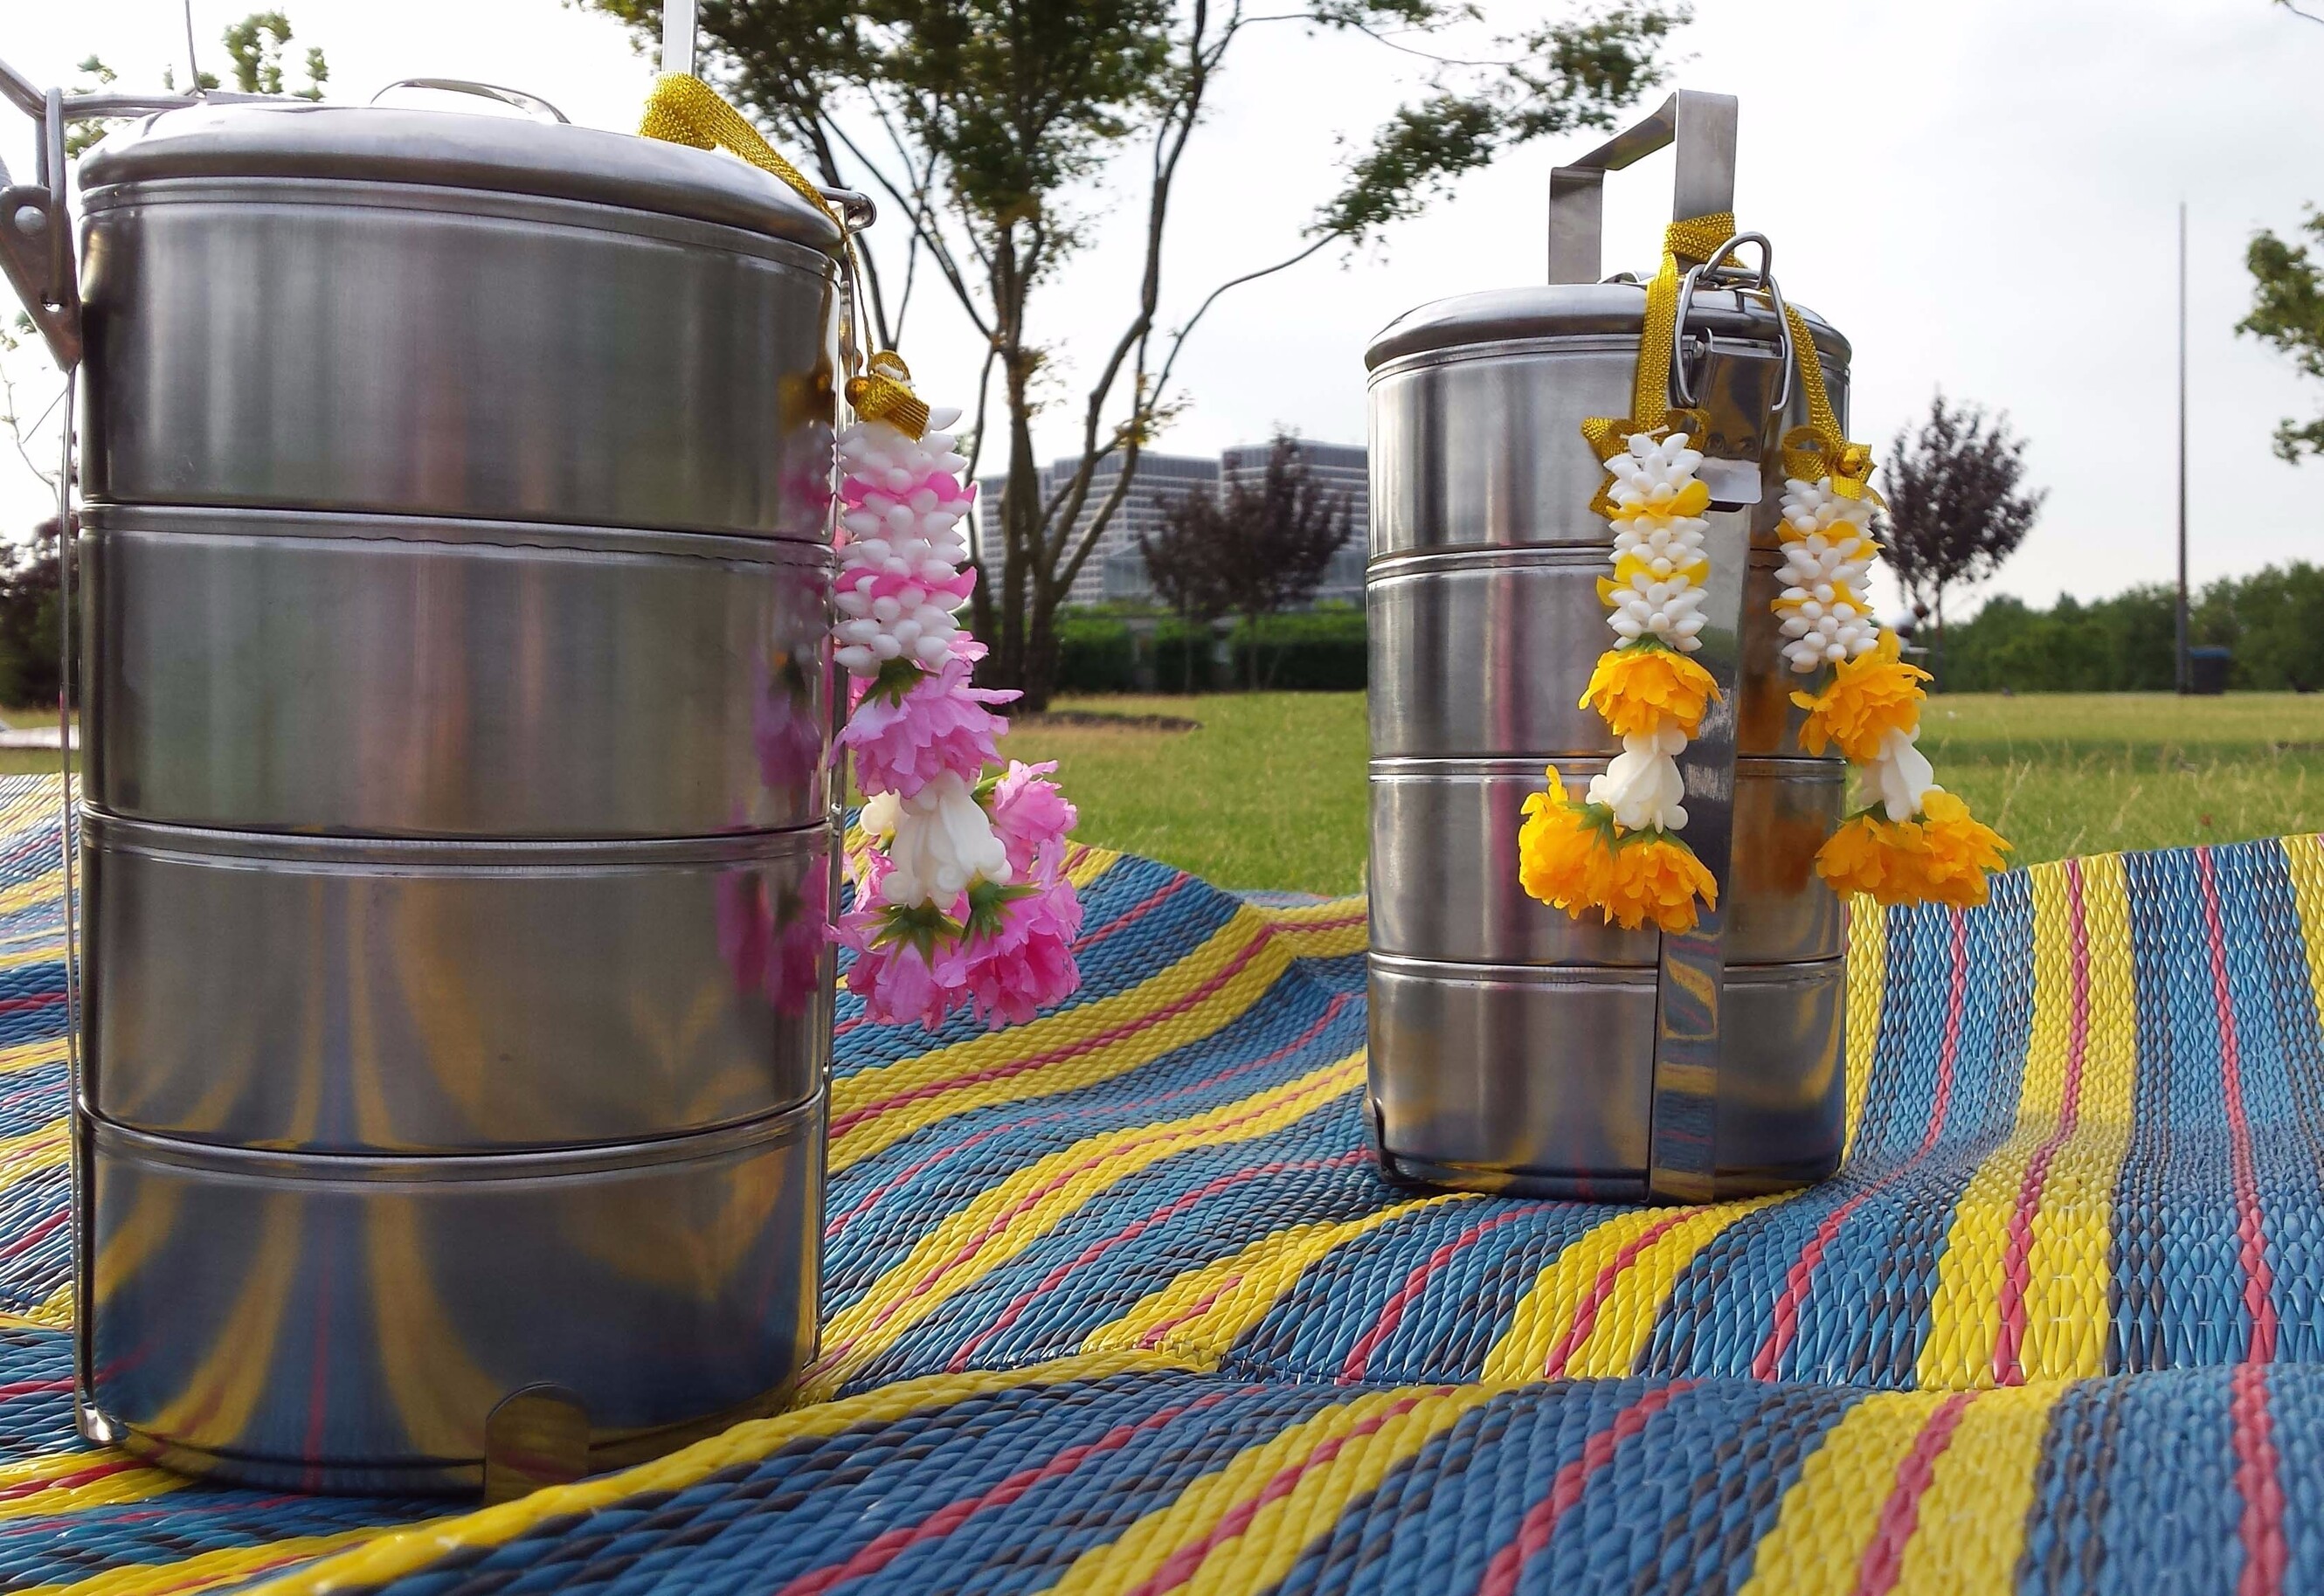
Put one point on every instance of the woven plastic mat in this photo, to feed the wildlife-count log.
(1114, 1301)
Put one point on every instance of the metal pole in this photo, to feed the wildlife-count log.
(193, 66)
(2185, 676)
(678, 37)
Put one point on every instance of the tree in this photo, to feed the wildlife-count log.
(1956, 508)
(2288, 311)
(254, 44)
(1252, 547)
(987, 124)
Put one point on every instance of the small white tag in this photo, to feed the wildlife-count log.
(1734, 485)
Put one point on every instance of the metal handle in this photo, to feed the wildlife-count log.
(856, 210)
(36, 236)
(36, 252)
(532, 105)
(1702, 126)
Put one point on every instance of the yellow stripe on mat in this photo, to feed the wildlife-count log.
(1971, 1530)
(1202, 1312)
(2042, 1267)
(2303, 858)
(206, 1571)
(55, 1313)
(1329, 930)
(1591, 1310)
(397, 1552)
(1205, 991)
(1867, 988)
(1961, 1513)
(26, 1055)
(1005, 1220)
(35, 1498)
(1245, 1525)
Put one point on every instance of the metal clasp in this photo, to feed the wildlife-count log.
(1688, 363)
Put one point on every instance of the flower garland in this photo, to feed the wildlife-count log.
(960, 891)
(1914, 842)
(1618, 848)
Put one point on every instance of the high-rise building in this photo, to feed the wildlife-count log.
(1116, 570)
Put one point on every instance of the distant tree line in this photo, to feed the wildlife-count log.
(2271, 622)
(28, 621)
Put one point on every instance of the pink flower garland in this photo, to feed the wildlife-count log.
(961, 898)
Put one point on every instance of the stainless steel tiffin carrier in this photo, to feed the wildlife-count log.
(1514, 1049)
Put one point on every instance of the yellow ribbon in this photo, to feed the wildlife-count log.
(1820, 449)
(685, 110)
(1689, 242)
(884, 393)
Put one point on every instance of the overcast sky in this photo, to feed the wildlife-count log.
(1981, 194)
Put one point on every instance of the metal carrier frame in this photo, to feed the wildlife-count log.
(1691, 974)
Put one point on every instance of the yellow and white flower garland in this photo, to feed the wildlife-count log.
(1914, 841)
(1618, 848)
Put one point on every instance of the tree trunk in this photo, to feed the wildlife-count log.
(1021, 517)
(1038, 681)
(1937, 654)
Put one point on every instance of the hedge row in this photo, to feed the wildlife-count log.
(2272, 620)
(1320, 650)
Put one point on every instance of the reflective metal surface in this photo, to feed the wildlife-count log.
(1465, 644)
(1537, 1079)
(1512, 1048)
(1444, 877)
(1689, 1052)
(345, 1323)
(457, 993)
(405, 677)
(334, 995)
(406, 146)
(1481, 442)
(301, 343)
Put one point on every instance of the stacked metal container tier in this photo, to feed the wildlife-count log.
(459, 835)
(1512, 1048)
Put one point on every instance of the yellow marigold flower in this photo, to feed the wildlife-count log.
(1565, 856)
(1572, 857)
(1868, 696)
(1640, 688)
(1961, 850)
(1657, 878)
(1941, 855)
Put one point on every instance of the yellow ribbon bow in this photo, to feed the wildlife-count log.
(884, 393)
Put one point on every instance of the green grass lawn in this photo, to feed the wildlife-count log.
(1269, 791)
(30, 761)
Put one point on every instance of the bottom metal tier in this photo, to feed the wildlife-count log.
(1539, 1081)
(329, 1323)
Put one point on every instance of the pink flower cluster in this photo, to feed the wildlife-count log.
(961, 898)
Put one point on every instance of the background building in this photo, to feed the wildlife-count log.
(1116, 570)
(1342, 468)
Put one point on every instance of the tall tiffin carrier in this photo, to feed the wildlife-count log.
(1513, 1047)
(459, 837)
